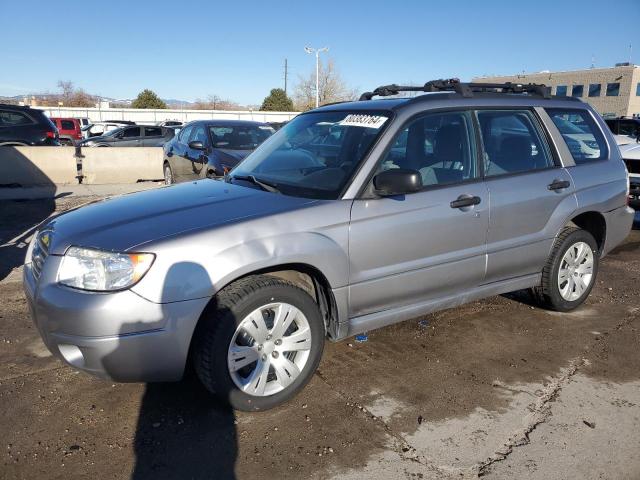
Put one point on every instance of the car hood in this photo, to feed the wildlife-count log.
(123, 223)
(231, 157)
(630, 151)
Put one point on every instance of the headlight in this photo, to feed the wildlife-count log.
(29, 255)
(97, 270)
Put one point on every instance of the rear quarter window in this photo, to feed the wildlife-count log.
(67, 125)
(581, 134)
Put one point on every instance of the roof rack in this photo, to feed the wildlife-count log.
(464, 89)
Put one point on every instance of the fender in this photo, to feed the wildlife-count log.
(199, 275)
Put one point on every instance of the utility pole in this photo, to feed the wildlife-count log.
(286, 74)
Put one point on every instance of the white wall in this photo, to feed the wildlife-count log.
(141, 115)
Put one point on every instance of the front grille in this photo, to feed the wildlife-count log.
(633, 166)
(40, 253)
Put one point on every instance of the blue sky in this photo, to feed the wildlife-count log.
(188, 49)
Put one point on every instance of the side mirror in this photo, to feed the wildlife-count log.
(196, 145)
(397, 181)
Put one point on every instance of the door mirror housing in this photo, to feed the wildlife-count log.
(397, 181)
(197, 145)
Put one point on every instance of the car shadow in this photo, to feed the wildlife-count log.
(20, 218)
(183, 431)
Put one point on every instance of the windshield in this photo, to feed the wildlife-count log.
(315, 154)
(239, 137)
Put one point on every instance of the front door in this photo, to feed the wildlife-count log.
(427, 245)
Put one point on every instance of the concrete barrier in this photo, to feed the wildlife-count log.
(103, 165)
(37, 166)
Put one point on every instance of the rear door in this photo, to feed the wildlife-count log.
(131, 137)
(152, 137)
(177, 154)
(528, 186)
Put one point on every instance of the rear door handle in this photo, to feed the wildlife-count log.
(558, 185)
(465, 201)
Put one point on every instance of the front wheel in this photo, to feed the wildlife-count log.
(570, 272)
(168, 175)
(260, 343)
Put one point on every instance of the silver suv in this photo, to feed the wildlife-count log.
(352, 217)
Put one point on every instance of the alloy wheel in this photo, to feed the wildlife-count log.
(576, 271)
(269, 349)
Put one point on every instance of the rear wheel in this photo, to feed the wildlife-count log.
(260, 344)
(570, 272)
(168, 175)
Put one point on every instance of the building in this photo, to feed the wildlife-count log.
(614, 92)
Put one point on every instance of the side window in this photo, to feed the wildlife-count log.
(14, 119)
(439, 146)
(581, 134)
(67, 125)
(131, 132)
(199, 134)
(184, 134)
(152, 131)
(512, 142)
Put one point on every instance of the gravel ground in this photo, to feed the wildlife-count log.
(497, 388)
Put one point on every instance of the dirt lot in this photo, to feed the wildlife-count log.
(497, 388)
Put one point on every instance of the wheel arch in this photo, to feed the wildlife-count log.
(310, 279)
(594, 223)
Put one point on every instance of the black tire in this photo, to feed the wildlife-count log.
(218, 325)
(547, 294)
(168, 175)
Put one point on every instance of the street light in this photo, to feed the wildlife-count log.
(317, 52)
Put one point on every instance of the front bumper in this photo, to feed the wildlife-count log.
(119, 336)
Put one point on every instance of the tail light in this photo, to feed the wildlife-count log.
(51, 134)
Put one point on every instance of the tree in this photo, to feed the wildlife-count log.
(331, 87)
(214, 102)
(67, 88)
(148, 99)
(277, 101)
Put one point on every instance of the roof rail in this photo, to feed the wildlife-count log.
(464, 89)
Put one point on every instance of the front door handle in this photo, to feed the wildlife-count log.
(558, 184)
(465, 201)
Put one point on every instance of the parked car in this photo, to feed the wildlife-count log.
(100, 128)
(631, 156)
(414, 205)
(136, 136)
(84, 121)
(211, 148)
(69, 130)
(26, 126)
(625, 129)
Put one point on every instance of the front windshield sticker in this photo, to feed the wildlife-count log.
(367, 121)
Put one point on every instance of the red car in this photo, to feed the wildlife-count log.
(69, 129)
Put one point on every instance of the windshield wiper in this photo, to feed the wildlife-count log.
(269, 187)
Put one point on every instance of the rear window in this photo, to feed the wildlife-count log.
(581, 134)
(152, 131)
(67, 125)
(14, 119)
